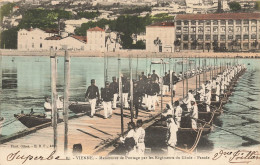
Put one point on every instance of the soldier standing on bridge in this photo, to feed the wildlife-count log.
(107, 97)
(114, 89)
(92, 95)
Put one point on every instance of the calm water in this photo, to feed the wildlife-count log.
(26, 80)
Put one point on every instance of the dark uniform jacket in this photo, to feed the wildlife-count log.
(126, 87)
(153, 89)
(92, 92)
(106, 94)
(174, 79)
(136, 95)
(166, 80)
(154, 77)
(114, 87)
(141, 85)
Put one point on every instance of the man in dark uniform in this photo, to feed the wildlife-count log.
(141, 85)
(107, 97)
(153, 90)
(92, 95)
(166, 82)
(174, 82)
(114, 89)
(136, 98)
(154, 77)
(143, 76)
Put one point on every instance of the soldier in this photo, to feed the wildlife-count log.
(174, 82)
(217, 91)
(177, 113)
(153, 90)
(201, 92)
(207, 100)
(126, 90)
(189, 99)
(107, 97)
(166, 82)
(155, 77)
(114, 89)
(143, 76)
(171, 136)
(92, 95)
(139, 138)
(194, 115)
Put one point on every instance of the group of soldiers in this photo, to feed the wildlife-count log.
(145, 92)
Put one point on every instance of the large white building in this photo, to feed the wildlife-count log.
(160, 37)
(39, 40)
(96, 39)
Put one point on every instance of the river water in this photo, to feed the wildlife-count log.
(26, 80)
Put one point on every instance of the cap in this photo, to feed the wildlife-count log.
(107, 83)
(153, 70)
(93, 80)
(114, 78)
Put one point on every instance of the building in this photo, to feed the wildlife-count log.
(40, 40)
(96, 39)
(221, 31)
(160, 37)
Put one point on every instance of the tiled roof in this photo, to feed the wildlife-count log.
(81, 38)
(96, 29)
(218, 16)
(53, 38)
(163, 24)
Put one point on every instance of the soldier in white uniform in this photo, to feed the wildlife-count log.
(194, 115)
(207, 100)
(92, 95)
(202, 92)
(178, 113)
(139, 138)
(171, 136)
(217, 91)
(189, 99)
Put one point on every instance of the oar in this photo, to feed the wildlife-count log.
(243, 137)
(242, 117)
(248, 98)
(251, 107)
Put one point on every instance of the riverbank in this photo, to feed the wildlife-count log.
(134, 53)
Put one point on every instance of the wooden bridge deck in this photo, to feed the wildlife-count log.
(95, 134)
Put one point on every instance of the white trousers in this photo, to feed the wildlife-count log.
(151, 102)
(193, 124)
(140, 148)
(114, 100)
(145, 100)
(217, 98)
(107, 109)
(125, 100)
(208, 108)
(93, 105)
(165, 89)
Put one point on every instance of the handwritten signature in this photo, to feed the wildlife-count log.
(239, 156)
(19, 156)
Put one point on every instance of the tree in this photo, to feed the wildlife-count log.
(139, 45)
(5, 10)
(126, 41)
(257, 5)
(8, 39)
(234, 6)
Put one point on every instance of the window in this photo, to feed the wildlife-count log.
(246, 22)
(32, 45)
(40, 45)
(238, 29)
(208, 22)
(215, 29)
(215, 37)
(238, 22)
(230, 29)
(193, 29)
(193, 37)
(238, 37)
(245, 28)
(178, 22)
(245, 45)
(253, 22)
(185, 29)
(178, 36)
(223, 29)
(186, 23)
(185, 37)
(185, 46)
(207, 29)
(230, 22)
(230, 37)
(253, 36)
(200, 22)
(222, 37)
(178, 29)
(207, 37)
(246, 37)
(223, 22)
(253, 28)
(215, 22)
(200, 29)
(200, 37)
(193, 22)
